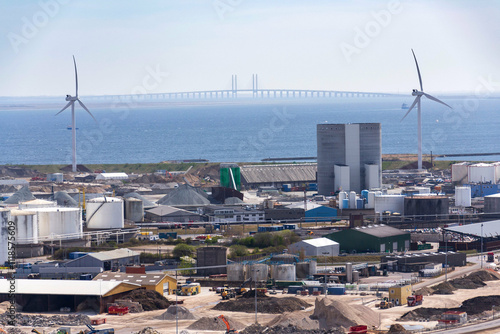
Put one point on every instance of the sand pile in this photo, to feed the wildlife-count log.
(182, 313)
(185, 195)
(472, 281)
(149, 299)
(258, 329)
(264, 304)
(215, 324)
(397, 329)
(335, 313)
(287, 319)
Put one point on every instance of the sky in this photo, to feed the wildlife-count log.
(128, 47)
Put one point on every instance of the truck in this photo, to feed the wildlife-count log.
(358, 329)
(415, 300)
(385, 304)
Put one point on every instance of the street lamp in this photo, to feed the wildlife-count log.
(446, 257)
(481, 246)
(255, 293)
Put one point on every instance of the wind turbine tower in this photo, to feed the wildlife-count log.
(71, 102)
(419, 94)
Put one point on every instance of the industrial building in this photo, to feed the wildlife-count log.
(492, 203)
(109, 260)
(316, 212)
(372, 239)
(418, 261)
(161, 283)
(166, 213)
(254, 176)
(51, 295)
(316, 247)
(399, 294)
(349, 157)
(284, 214)
(111, 176)
(211, 256)
(221, 214)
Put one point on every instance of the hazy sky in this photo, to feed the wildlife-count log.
(125, 47)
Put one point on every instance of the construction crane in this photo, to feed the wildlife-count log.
(228, 328)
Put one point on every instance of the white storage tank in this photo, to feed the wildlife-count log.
(4, 235)
(482, 173)
(284, 272)
(37, 203)
(463, 196)
(59, 221)
(235, 272)
(370, 204)
(134, 209)
(342, 197)
(258, 272)
(392, 203)
(26, 226)
(459, 172)
(352, 200)
(104, 213)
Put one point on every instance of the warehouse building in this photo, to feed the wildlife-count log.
(372, 239)
(166, 213)
(111, 176)
(109, 260)
(254, 176)
(51, 295)
(349, 157)
(418, 261)
(316, 247)
(161, 283)
(492, 203)
(316, 212)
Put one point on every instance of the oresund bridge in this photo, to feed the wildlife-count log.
(254, 93)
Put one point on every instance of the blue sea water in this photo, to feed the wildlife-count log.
(238, 132)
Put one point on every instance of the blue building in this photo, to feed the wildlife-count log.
(483, 189)
(316, 212)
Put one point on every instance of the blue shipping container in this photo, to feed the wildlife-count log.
(166, 235)
(336, 291)
(294, 288)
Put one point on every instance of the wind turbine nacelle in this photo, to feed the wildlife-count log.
(70, 98)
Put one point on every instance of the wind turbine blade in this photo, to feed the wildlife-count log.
(418, 70)
(76, 77)
(430, 97)
(69, 103)
(84, 107)
(411, 107)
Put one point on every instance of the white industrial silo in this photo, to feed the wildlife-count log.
(482, 173)
(392, 203)
(104, 213)
(134, 209)
(59, 221)
(352, 200)
(258, 272)
(4, 235)
(459, 172)
(26, 226)
(462, 196)
(235, 272)
(370, 204)
(284, 272)
(342, 197)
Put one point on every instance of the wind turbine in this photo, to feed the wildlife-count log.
(71, 102)
(419, 94)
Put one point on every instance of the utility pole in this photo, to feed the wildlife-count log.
(481, 246)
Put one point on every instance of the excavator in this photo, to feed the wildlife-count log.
(228, 328)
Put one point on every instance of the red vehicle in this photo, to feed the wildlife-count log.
(415, 300)
(358, 329)
(120, 310)
(491, 257)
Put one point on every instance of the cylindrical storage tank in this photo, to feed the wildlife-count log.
(352, 200)
(345, 203)
(348, 271)
(302, 270)
(59, 221)
(4, 235)
(342, 197)
(360, 203)
(134, 209)
(211, 256)
(370, 204)
(104, 213)
(364, 194)
(284, 272)
(355, 276)
(236, 272)
(462, 196)
(258, 272)
(26, 226)
(37, 203)
(313, 267)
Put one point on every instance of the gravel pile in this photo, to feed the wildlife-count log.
(258, 329)
(471, 281)
(182, 313)
(215, 324)
(265, 305)
(63, 199)
(335, 313)
(148, 330)
(397, 329)
(286, 320)
(47, 321)
(22, 195)
(149, 299)
(185, 195)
